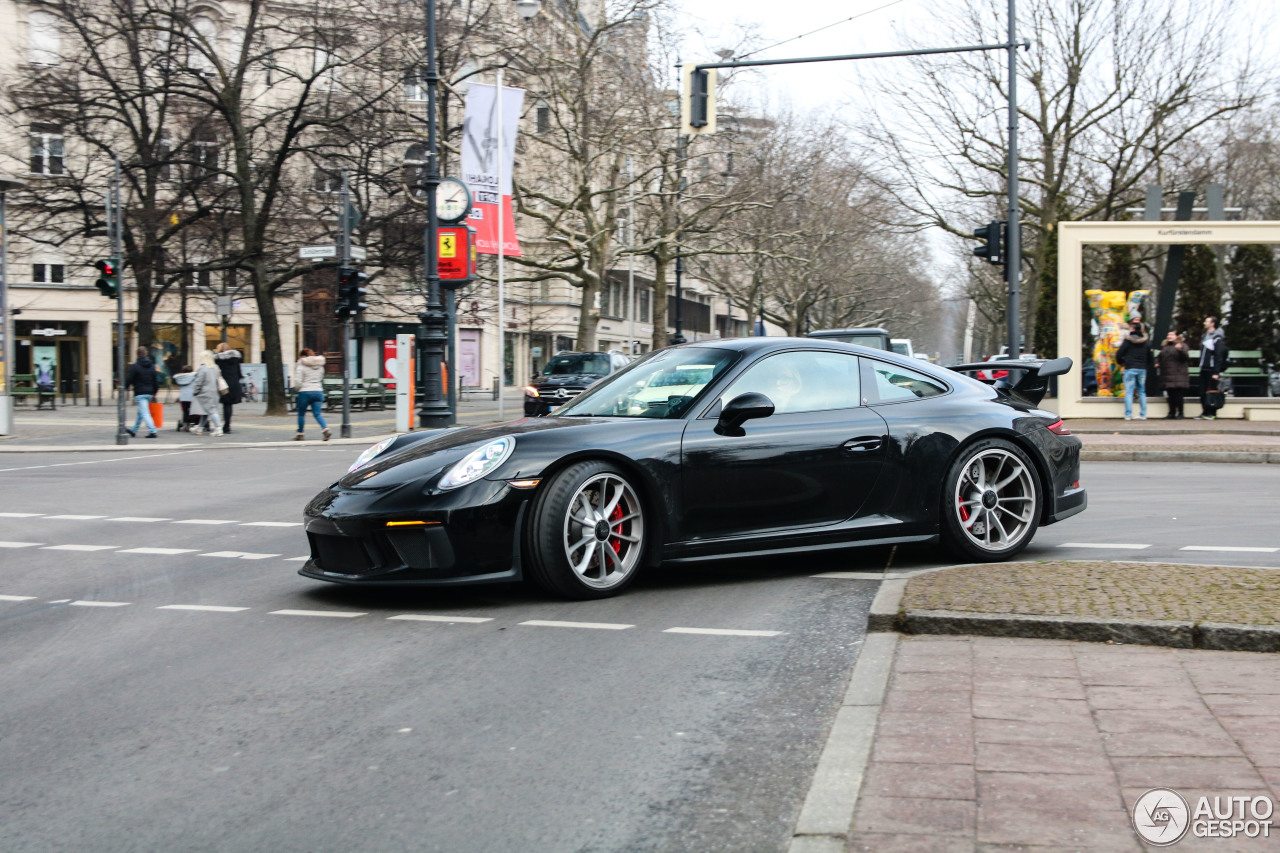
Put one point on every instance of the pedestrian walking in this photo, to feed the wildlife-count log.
(205, 389)
(1134, 355)
(144, 381)
(1172, 364)
(1213, 360)
(308, 376)
(185, 379)
(229, 361)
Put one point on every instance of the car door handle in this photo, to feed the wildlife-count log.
(863, 442)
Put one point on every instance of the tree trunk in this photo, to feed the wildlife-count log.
(270, 324)
(660, 263)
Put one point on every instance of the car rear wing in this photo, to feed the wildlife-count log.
(1026, 380)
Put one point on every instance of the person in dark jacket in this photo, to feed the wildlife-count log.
(144, 381)
(1213, 360)
(1133, 356)
(229, 361)
(1172, 363)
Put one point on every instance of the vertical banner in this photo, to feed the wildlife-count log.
(484, 157)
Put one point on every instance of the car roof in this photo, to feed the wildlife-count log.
(752, 345)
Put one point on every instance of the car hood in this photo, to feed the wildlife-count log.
(448, 446)
(568, 379)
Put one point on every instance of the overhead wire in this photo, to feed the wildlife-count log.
(820, 29)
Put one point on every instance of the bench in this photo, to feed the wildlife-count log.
(24, 387)
(1246, 374)
(364, 393)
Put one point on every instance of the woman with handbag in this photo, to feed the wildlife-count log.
(207, 388)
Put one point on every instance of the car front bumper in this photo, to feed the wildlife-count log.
(389, 538)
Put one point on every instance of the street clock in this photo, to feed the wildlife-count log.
(453, 200)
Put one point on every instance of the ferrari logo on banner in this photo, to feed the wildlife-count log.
(485, 159)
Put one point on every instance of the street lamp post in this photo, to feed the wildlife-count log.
(434, 411)
(6, 350)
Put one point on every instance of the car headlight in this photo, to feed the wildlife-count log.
(479, 462)
(368, 455)
(530, 391)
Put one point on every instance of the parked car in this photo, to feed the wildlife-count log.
(867, 337)
(711, 450)
(902, 346)
(566, 376)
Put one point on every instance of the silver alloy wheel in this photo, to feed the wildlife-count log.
(995, 499)
(603, 531)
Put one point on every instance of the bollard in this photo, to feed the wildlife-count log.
(99, 392)
(495, 387)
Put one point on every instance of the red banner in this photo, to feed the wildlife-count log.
(484, 218)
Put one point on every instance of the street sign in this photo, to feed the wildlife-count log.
(455, 255)
(319, 253)
(224, 306)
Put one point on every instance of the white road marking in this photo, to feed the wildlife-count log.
(722, 632)
(204, 521)
(17, 597)
(211, 608)
(419, 617)
(79, 547)
(19, 544)
(337, 613)
(99, 603)
(272, 524)
(20, 514)
(1244, 548)
(1102, 545)
(167, 551)
(239, 555)
(100, 461)
(136, 518)
(296, 559)
(77, 517)
(602, 626)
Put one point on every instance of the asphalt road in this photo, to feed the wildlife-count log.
(131, 721)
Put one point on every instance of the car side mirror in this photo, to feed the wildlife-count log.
(741, 409)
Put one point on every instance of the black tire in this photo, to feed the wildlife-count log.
(586, 536)
(991, 501)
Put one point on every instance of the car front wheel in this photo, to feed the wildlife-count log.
(991, 502)
(587, 532)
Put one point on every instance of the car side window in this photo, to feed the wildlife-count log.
(802, 381)
(894, 384)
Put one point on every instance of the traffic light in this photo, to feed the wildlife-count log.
(108, 277)
(698, 100)
(992, 237)
(351, 293)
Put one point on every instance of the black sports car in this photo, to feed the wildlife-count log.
(705, 451)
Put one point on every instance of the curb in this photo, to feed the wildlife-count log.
(827, 813)
(1247, 456)
(887, 616)
(203, 445)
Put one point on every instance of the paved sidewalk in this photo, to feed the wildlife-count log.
(1012, 744)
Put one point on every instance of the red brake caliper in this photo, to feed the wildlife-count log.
(614, 516)
(964, 510)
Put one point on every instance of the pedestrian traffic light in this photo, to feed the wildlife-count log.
(351, 293)
(108, 277)
(698, 100)
(992, 237)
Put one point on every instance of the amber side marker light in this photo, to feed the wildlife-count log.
(410, 523)
(523, 484)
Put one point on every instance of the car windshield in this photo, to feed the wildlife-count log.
(663, 385)
(569, 364)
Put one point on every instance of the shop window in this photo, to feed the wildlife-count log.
(238, 337)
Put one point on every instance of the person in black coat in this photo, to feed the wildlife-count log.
(144, 381)
(229, 361)
(1133, 357)
(1213, 361)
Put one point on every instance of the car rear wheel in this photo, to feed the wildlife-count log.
(991, 504)
(587, 532)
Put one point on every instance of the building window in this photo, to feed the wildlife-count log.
(544, 119)
(642, 309)
(206, 156)
(328, 180)
(204, 46)
(324, 67)
(415, 84)
(43, 38)
(47, 273)
(164, 154)
(46, 150)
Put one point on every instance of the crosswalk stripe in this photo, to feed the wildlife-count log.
(77, 517)
(337, 613)
(98, 603)
(600, 626)
(17, 597)
(1239, 548)
(723, 632)
(272, 524)
(204, 521)
(19, 544)
(79, 547)
(136, 518)
(166, 551)
(212, 608)
(20, 514)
